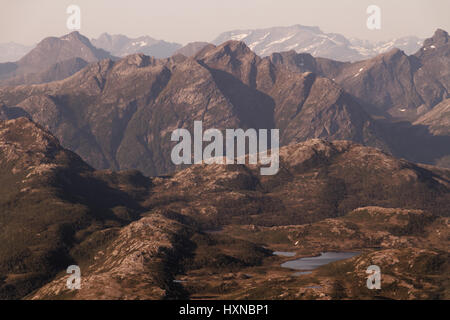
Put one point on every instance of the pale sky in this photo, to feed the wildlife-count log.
(29, 21)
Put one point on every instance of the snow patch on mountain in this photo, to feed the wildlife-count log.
(305, 39)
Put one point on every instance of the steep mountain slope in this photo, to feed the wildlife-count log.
(58, 71)
(113, 124)
(304, 39)
(85, 218)
(121, 46)
(52, 59)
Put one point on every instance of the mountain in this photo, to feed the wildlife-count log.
(133, 236)
(121, 46)
(304, 39)
(191, 49)
(396, 90)
(12, 51)
(53, 206)
(111, 124)
(52, 59)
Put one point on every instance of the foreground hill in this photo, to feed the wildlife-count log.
(406, 94)
(57, 211)
(438, 119)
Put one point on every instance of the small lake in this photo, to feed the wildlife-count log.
(311, 263)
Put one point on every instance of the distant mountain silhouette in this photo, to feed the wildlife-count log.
(52, 59)
(306, 39)
(121, 46)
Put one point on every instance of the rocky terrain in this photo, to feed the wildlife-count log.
(53, 206)
(191, 49)
(213, 227)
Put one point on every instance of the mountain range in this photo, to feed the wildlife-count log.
(264, 42)
(87, 179)
(312, 40)
(52, 59)
(12, 51)
(111, 124)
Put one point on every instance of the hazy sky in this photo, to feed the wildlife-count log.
(29, 21)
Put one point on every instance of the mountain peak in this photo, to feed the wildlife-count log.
(234, 46)
(439, 39)
(52, 50)
(139, 60)
(232, 49)
(76, 36)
